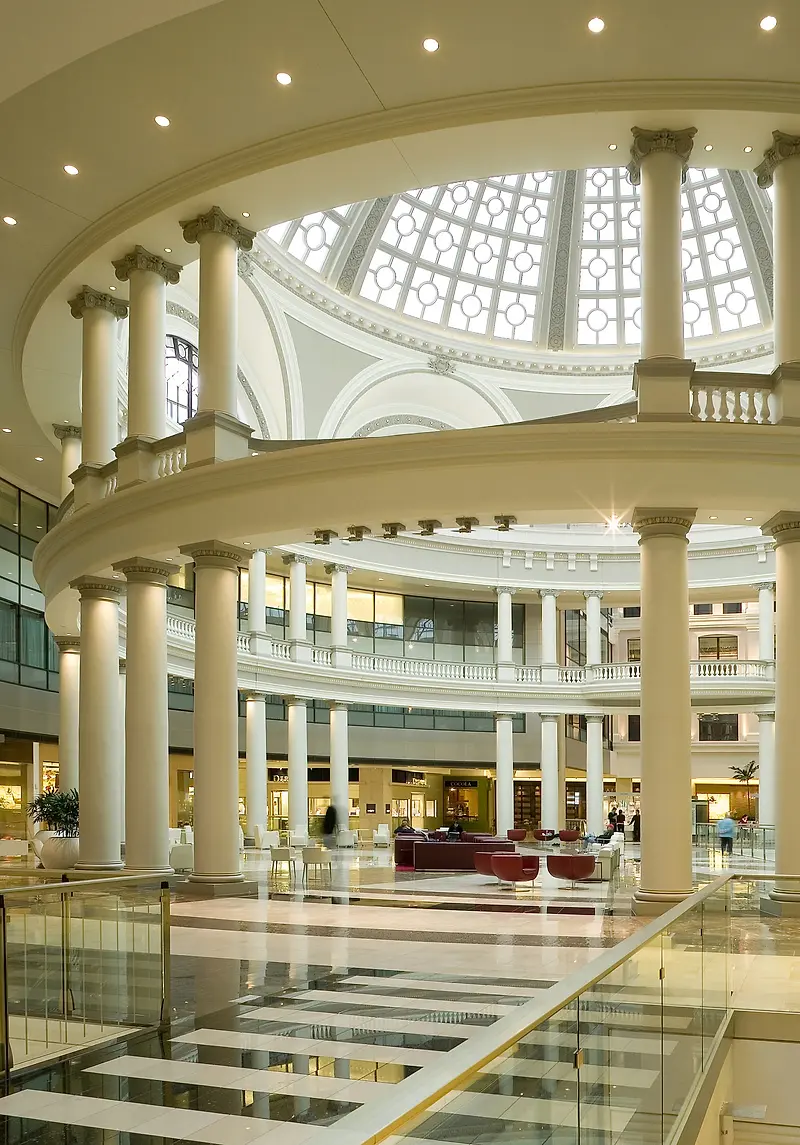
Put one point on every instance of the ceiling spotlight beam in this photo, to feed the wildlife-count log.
(392, 529)
(324, 536)
(358, 532)
(428, 528)
(467, 524)
(504, 523)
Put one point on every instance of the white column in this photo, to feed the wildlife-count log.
(505, 632)
(298, 765)
(69, 676)
(551, 816)
(99, 725)
(256, 729)
(70, 438)
(785, 530)
(340, 765)
(216, 713)
(766, 621)
(123, 698)
(658, 161)
(297, 605)
(504, 786)
(595, 821)
(147, 275)
(593, 642)
(549, 627)
(100, 313)
(220, 238)
(257, 592)
(146, 721)
(666, 868)
(766, 768)
(342, 656)
(781, 164)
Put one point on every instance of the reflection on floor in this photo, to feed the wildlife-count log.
(295, 1011)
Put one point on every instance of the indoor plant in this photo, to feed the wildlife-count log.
(57, 812)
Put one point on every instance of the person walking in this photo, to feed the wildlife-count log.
(636, 825)
(726, 831)
(330, 827)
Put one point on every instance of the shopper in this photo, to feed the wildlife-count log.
(621, 821)
(330, 827)
(636, 825)
(726, 830)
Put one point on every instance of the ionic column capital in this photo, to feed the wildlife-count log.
(68, 643)
(339, 706)
(646, 142)
(504, 715)
(593, 592)
(330, 569)
(296, 701)
(296, 559)
(215, 554)
(217, 222)
(141, 259)
(501, 588)
(783, 147)
(784, 527)
(256, 697)
(769, 717)
(554, 592)
(765, 584)
(90, 299)
(97, 588)
(549, 717)
(63, 432)
(143, 570)
(594, 717)
(662, 522)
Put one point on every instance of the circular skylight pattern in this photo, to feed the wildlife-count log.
(547, 259)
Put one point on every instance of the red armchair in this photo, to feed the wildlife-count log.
(483, 862)
(543, 836)
(514, 869)
(571, 868)
(569, 836)
(516, 835)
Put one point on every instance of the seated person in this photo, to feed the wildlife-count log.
(405, 828)
(454, 832)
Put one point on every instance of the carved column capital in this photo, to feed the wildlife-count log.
(783, 147)
(143, 570)
(543, 592)
(141, 259)
(499, 588)
(329, 569)
(662, 522)
(646, 142)
(296, 559)
(765, 584)
(68, 643)
(98, 588)
(90, 299)
(215, 554)
(217, 222)
(784, 527)
(63, 432)
(593, 592)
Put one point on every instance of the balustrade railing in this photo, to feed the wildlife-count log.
(731, 400)
(728, 669)
(243, 642)
(322, 656)
(171, 455)
(281, 649)
(571, 675)
(528, 674)
(613, 673)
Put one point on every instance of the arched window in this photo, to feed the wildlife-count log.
(181, 370)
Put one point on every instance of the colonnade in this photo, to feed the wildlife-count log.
(658, 163)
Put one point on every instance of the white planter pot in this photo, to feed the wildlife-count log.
(39, 840)
(59, 853)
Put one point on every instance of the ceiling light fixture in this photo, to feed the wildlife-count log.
(70, 169)
(709, 147)
(245, 214)
(768, 24)
(712, 518)
(162, 121)
(167, 250)
(283, 78)
(9, 220)
(6, 429)
(112, 288)
(612, 147)
(748, 518)
(42, 459)
(748, 149)
(430, 45)
(596, 25)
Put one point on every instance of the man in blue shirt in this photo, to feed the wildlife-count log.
(726, 830)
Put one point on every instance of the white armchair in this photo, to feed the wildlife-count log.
(347, 839)
(181, 857)
(381, 837)
(299, 837)
(266, 840)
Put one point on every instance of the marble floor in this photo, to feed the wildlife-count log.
(298, 1015)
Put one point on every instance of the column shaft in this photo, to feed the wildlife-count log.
(505, 635)
(146, 719)
(549, 628)
(338, 607)
(147, 330)
(786, 245)
(666, 868)
(297, 601)
(594, 774)
(257, 592)
(766, 622)
(216, 715)
(99, 386)
(593, 617)
(504, 786)
(70, 438)
(785, 528)
(340, 765)
(256, 728)
(550, 779)
(662, 276)
(99, 727)
(69, 675)
(766, 768)
(298, 766)
(219, 281)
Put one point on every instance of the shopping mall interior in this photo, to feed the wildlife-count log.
(399, 573)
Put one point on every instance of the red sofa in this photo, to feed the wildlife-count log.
(430, 856)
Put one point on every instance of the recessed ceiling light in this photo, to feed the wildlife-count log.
(168, 559)
(6, 429)
(748, 149)
(40, 526)
(9, 220)
(430, 45)
(70, 169)
(167, 250)
(768, 23)
(283, 78)
(112, 288)
(748, 518)
(42, 459)
(162, 121)
(709, 147)
(712, 518)
(596, 25)
(245, 214)
(612, 147)
(247, 544)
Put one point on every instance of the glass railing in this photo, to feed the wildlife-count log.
(81, 961)
(615, 1050)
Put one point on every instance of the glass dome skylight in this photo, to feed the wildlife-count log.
(547, 259)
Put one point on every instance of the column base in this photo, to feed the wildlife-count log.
(137, 461)
(146, 872)
(87, 866)
(213, 436)
(506, 673)
(782, 902)
(301, 651)
(656, 902)
(219, 886)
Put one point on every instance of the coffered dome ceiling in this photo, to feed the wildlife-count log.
(547, 260)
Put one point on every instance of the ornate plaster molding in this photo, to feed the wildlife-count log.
(141, 259)
(784, 527)
(144, 570)
(358, 251)
(783, 147)
(377, 423)
(68, 643)
(762, 247)
(332, 568)
(91, 299)
(98, 588)
(63, 432)
(646, 142)
(216, 554)
(217, 222)
(663, 522)
(442, 364)
(557, 324)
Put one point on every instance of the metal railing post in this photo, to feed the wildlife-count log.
(7, 1061)
(166, 969)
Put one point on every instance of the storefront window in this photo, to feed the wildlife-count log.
(718, 728)
(717, 647)
(634, 650)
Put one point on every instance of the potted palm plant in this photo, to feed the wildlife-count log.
(746, 775)
(57, 813)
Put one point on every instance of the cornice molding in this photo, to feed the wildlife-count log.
(784, 146)
(217, 222)
(647, 142)
(141, 259)
(90, 299)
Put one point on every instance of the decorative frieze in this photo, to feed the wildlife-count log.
(215, 554)
(646, 142)
(143, 570)
(783, 147)
(141, 259)
(217, 222)
(91, 299)
(663, 522)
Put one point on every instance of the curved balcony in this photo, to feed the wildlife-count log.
(270, 665)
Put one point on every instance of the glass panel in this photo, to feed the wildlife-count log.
(388, 609)
(8, 632)
(682, 998)
(418, 620)
(32, 639)
(275, 593)
(9, 506)
(448, 619)
(323, 602)
(244, 585)
(360, 605)
(33, 519)
(479, 623)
